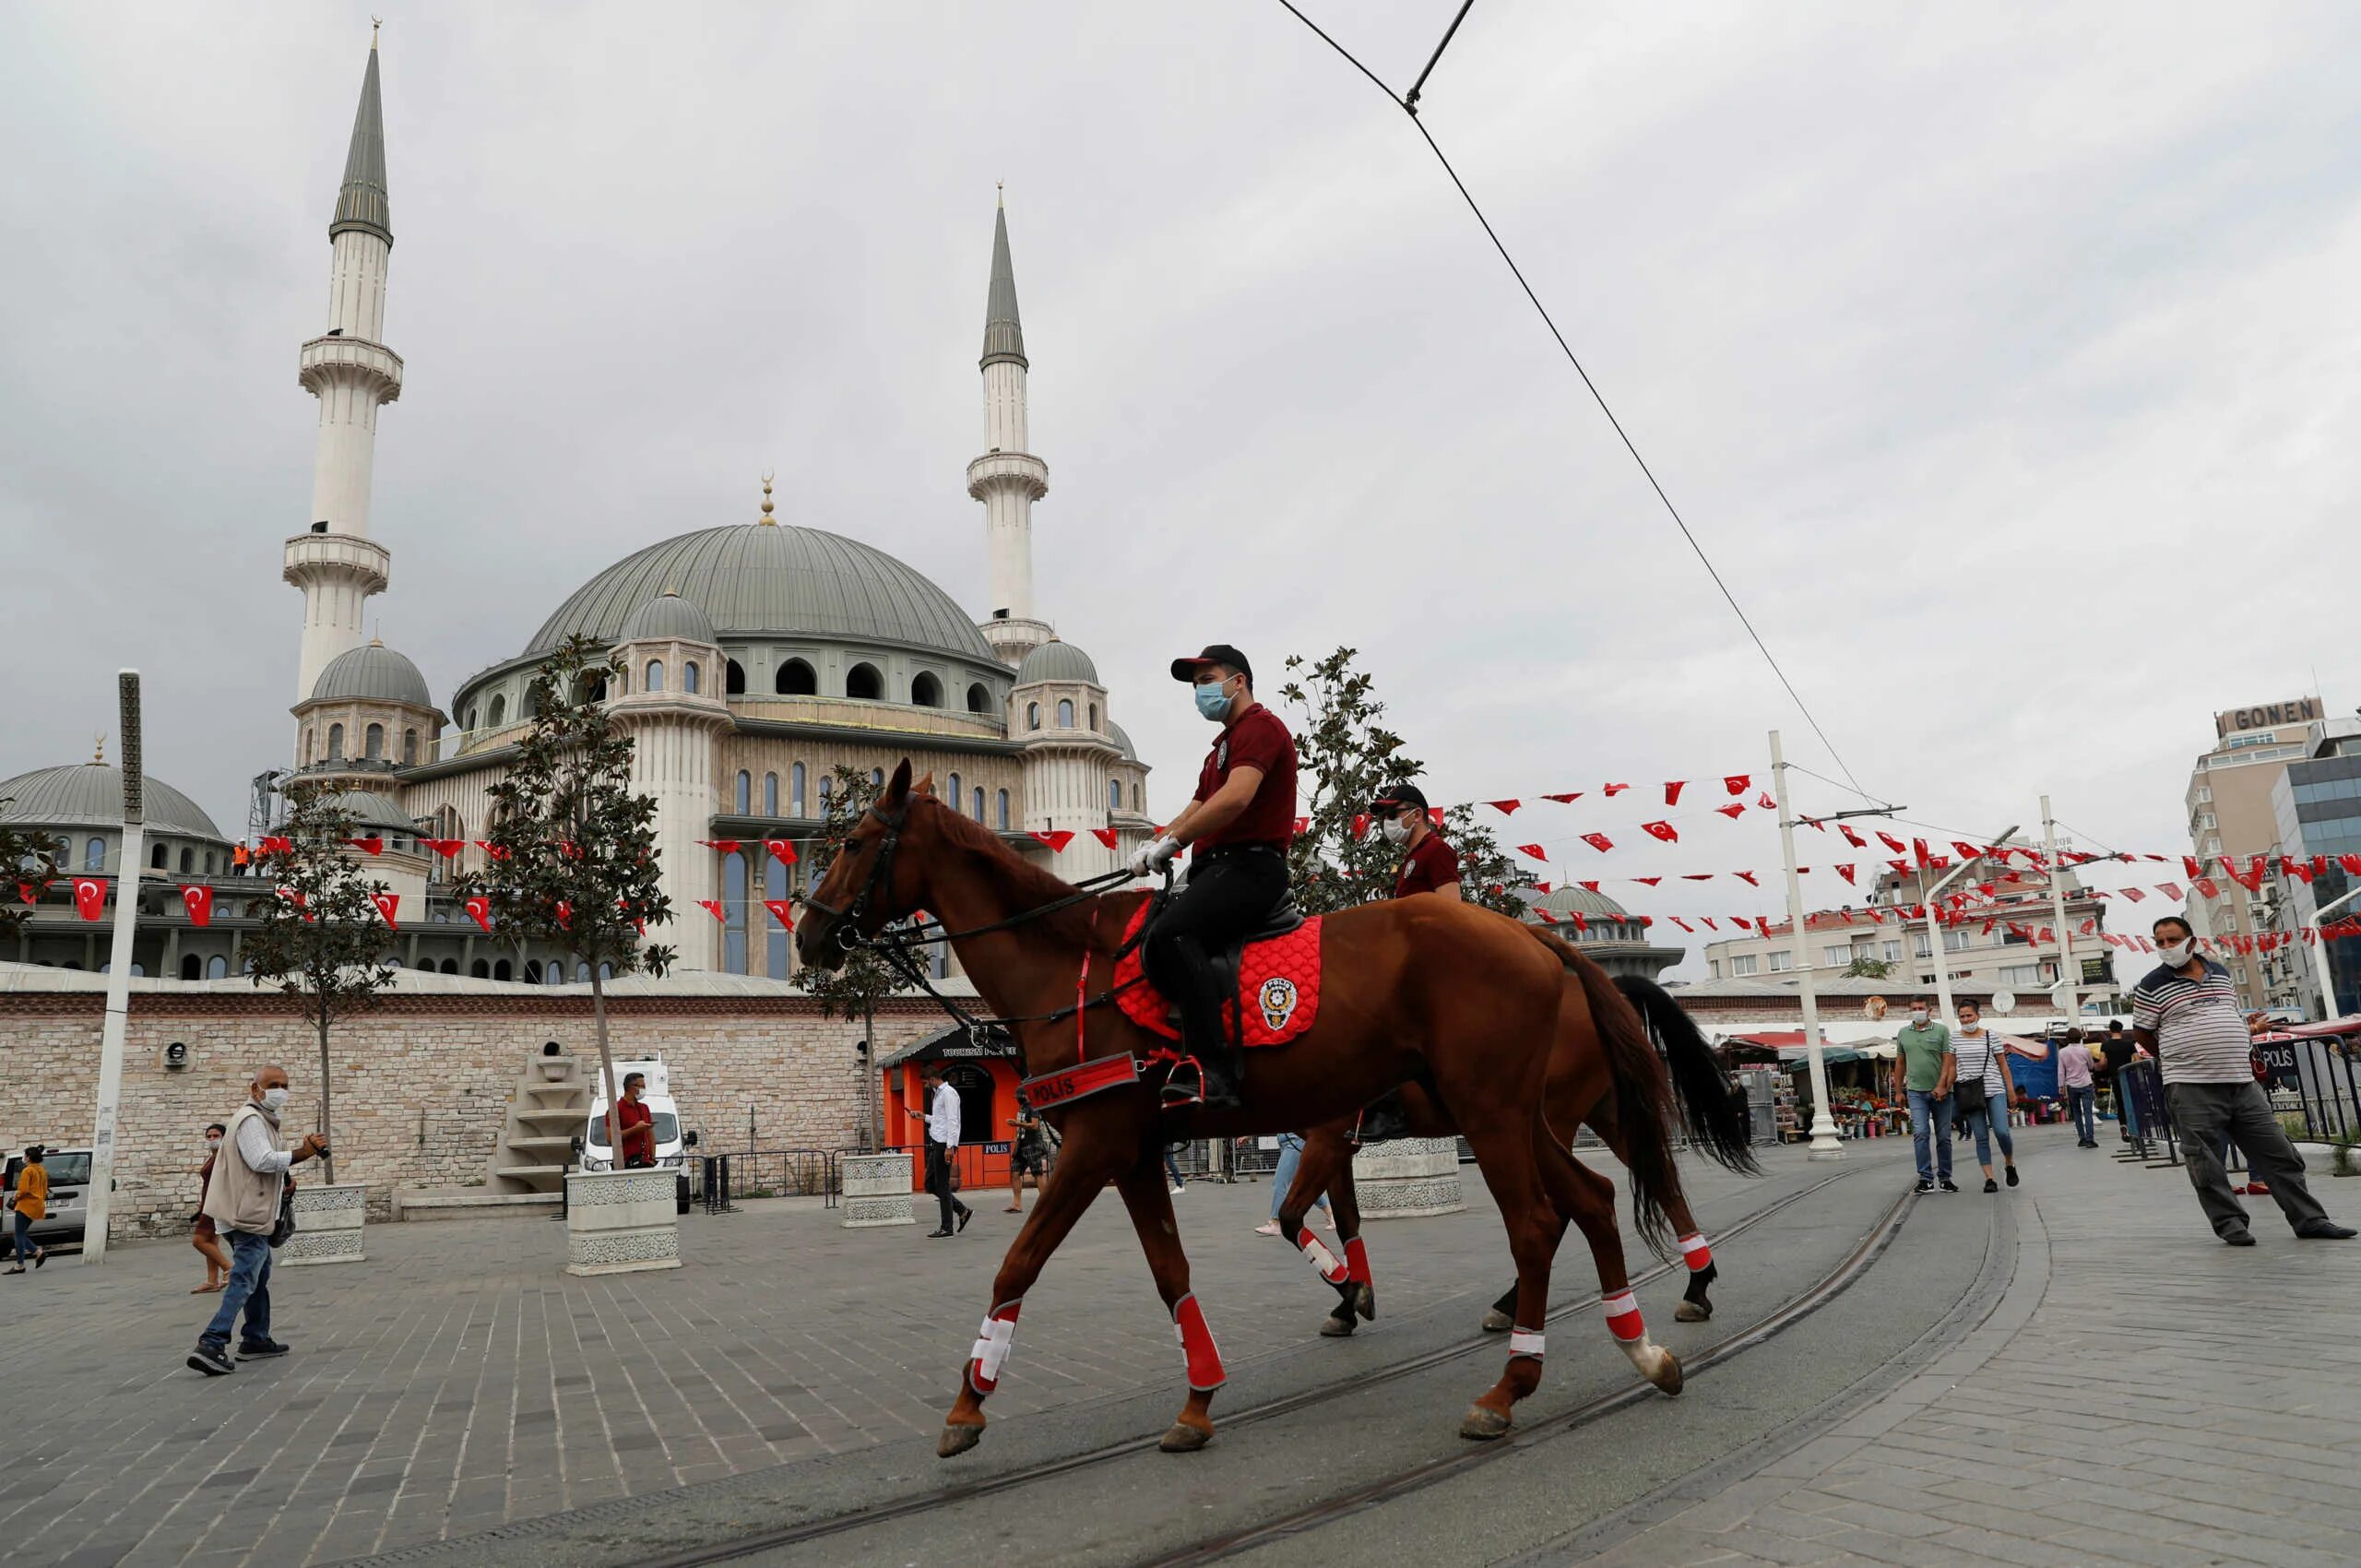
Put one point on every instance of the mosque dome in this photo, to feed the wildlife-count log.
(369, 809)
(765, 579)
(89, 794)
(1055, 660)
(667, 615)
(1122, 742)
(1607, 920)
(374, 673)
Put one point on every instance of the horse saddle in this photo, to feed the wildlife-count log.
(1273, 970)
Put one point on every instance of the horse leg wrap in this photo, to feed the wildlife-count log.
(1698, 1255)
(990, 1353)
(1197, 1346)
(1357, 1263)
(1526, 1342)
(1631, 1331)
(1330, 1267)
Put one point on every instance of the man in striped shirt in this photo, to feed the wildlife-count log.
(2185, 1013)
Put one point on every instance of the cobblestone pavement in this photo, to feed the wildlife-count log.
(457, 1380)
(2143, 1394)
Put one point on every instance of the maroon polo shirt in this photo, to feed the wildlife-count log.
(1254, 739)
(1434, 864)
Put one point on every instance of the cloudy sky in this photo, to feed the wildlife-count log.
(1996, 354)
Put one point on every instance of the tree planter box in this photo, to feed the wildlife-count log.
(877, 1190)
(327, 1224)
(622, 1221)
(1408, 1178)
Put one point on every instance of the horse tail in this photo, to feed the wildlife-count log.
(1715, 1118)
(1643, 1103)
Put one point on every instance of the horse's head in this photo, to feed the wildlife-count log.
(877, 877)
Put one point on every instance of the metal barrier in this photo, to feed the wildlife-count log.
(719, 1181)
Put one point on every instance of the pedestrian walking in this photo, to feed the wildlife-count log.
(1172, 1172)
(30, 1202)
(1922, 1077)
(2185, 1011)
(2074, 1079)
(1283, 1178)
(942, 1119)
(206, 1238)
(1982, 1091)
(243, 1198)
(2117, 1052)
(1028, 1152)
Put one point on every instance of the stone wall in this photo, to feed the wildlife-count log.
(422, 1081)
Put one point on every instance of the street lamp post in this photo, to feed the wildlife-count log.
(98, 1201)
(1824, 1143)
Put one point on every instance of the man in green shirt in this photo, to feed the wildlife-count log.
(1923, 1065)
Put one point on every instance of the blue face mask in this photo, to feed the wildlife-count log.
(1211, 700)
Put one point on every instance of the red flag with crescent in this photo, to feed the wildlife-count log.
(1566, 800)
(727, 845)
(711, 907)
(1548, 918)
(1851, 838)
(1057, 839)
(1615, 790)
(491, 852)
(1738, 783)
(372, 846)
(1663, 830)
(781, 850)
(448, 848)
(565, 914)
(479, 910)
(275, 846)
(302, 906)
(1672, 790)
(1106, 835)
(1506, 808)
(199, 899)
(1535, 850)
(1733, 811)
(27, 893)
(1360, 826)
(89, 896)
(1598, 841)
(388, 905)
(781, 909)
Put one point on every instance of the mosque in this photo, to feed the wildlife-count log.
(757, 658)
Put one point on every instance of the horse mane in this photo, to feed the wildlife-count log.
(1032, 886)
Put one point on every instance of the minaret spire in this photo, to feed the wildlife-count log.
(1008, 478)
(352, 374)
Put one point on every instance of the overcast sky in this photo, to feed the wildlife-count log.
(1999, 355)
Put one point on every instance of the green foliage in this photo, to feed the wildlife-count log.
(1344, 755)
(854, 988)
(29, 863)
(1869, 968)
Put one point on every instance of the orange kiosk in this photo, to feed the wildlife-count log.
(985, 1069)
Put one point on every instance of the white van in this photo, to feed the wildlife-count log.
(671, 1144)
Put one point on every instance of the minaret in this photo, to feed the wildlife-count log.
(1007, 479)
(335, 562)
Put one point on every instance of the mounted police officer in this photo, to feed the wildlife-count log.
(1238, 824)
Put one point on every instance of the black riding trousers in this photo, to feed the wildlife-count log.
(1224, 897)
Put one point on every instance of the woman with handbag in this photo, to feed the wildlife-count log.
(1984, 1091)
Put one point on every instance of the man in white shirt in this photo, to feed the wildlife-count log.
(942, 1122)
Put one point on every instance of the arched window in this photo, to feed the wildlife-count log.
(532, 972)
(796, 679)
(863, 683)
(877, 777)
(307, 745)
(1094, 715)
(623, 681)
(94, 855)
(1135, 795)
(734, 680)
(655, 675)
(770, 794)
(827, 786)
(372, 743)
(188, 862)
(555, 973)
(501, 970)
(336, 742)
(733, 901)
(479, 970)
(409, 748)
(795, 781)
(594, 685)
(162, 858)
(498, 708)
(953, 796)
(1032, 716)
(1065, 713)
(216, 967)
(774, 875)
(450, 966)
(191, 965)
(925, 690)
(979, 802)
(1114, 794)
(689, 677)
(978, 699)
(472, 717)
(745, 792)
(208, 862)
(1003, 811)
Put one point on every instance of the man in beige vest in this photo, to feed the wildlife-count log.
(242, 1203)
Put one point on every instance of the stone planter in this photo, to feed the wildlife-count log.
(327, 1224)
(877, 1190)
(1408, 1178)
(622, 1221)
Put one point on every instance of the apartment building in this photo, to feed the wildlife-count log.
(2231, 814)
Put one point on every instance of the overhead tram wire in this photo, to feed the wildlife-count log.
(1409, 106)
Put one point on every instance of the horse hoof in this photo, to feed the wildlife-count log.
(1496, 1322)
(1338, 1327)
(1483, 1424)
(957, 1441)
(1692, 1312)
(1668, 1377)
(1365, 1301)
(1183, 1438)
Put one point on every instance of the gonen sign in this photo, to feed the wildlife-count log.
(2299, 711)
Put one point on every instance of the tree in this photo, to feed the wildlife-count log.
(33, 862)
(853, 988)
(323, 938)
(1865, 968)
(572, 861)
(1344, 755)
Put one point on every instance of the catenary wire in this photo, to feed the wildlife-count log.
(1596, 397)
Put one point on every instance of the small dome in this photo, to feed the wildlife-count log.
(1055, 660)
(91, 795)
(667, 615)
(1608, 920)
(369, 809)
(1122, 742)
(374, 673)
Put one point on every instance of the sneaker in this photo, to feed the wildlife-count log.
(1268, 1228)
(1924, 1185)
(1990, 1185)
(256, 1350)
(210, 1361)
(2012, 1175)
(1948, 1184)
(1178, 1189)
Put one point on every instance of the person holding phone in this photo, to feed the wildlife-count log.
(242, 1199)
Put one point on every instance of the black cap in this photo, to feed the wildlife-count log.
(1394, 798)
(1216, 653)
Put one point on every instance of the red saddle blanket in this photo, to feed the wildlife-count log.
(1278, 986)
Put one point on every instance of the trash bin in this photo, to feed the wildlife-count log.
(683, 1191)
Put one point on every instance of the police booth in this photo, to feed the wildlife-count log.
(985, 1069)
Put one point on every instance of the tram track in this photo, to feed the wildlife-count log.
(1518, 1438)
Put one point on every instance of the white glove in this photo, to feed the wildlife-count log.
(1150, 859)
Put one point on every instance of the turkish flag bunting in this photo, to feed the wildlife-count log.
(2311, 936)
(1696, 876)
(2352, 864)
(1888, 839)
(727, 845)
(1966, 850)
(1576, 916)
(1360, 826)
(1541, 886)
(297, 899)
(491, 852)
(2169, 889)
(1548, 918)
(780, 909)
(1106, 835)
(1663, 830)
(2208, 887)
(1748, 876)
(569, 849)
(1535, 850)
(199, 901)
(1733, 812)
(1598, 841)
(1593, 887)
(781, 850)
(479, 912)
(2300, 869)
(368, 846)
(1765, 802)
(1741, 922)
(1648, 881)
(1057, 840)
(565, 915)
(1434, 815)
(1709, 922)
(1851, 838)
(1672, 790)
(2047, 934)
(448, 848)
(89, 896)
(1506, 808)
(1902, 867)
(638, 925)
(1846, 871)
(27, 893)
(1987, 929)
(1683, 924)
(1564, 800)
(1302, 825)
(712, 907)
(2133, 894)
(1737, 783)
(1614, 789)
(1877, 916)
(274, 846)
(387, 903)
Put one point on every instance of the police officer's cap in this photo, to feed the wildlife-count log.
(1393, 799)
(1185, 669)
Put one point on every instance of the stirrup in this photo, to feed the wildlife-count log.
(1180, 1093)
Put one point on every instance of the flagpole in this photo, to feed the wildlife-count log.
(100, 1198)
(1824, 1143)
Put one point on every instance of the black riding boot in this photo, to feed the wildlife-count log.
(1205, 1035)
(1384, 1118)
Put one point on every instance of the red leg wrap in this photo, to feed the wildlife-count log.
(1356, 1262)
(1698, 1254)
(1197, 1345)
(1624, 1319)
(1330, 1268)
(990, 1353)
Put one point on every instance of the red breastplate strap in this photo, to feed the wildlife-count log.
(1069, 1084)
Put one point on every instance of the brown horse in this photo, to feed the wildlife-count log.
(1716, 1124)
(1445, 992)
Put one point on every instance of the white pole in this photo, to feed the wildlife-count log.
(2328, 1008)
(1824, 1143)
(2067, 980)
(100, 1199)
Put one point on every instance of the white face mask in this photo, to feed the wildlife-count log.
(2175, 954)
(212, 1140)
(1918, 1014)
(274, 1098)
(1396, 830)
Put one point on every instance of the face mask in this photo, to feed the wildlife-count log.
(1918, 1014)
(1212, 701)
(2174, 953)
(1396, 830)
(212, 1140)
(272, 1099)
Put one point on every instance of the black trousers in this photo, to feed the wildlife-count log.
(1227, 895)
(938, 1181)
